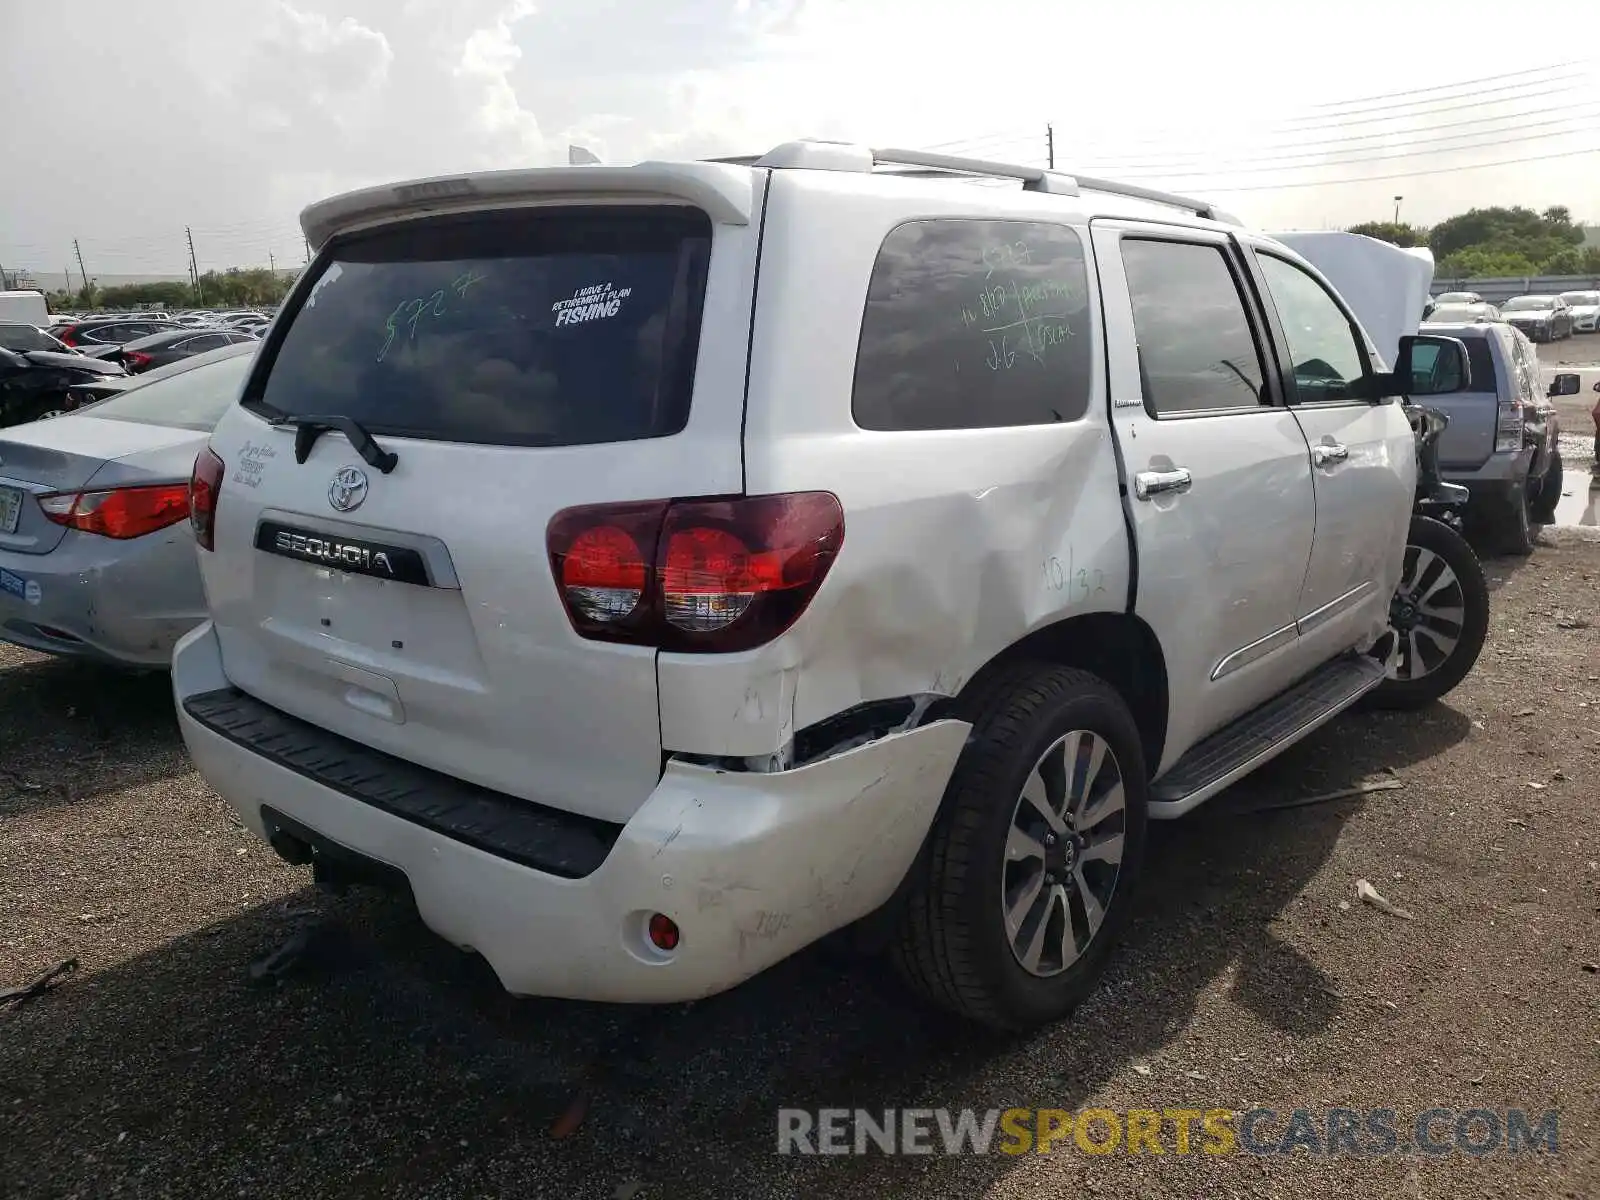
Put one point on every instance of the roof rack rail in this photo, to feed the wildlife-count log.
(844, 156)
(1034, 179)
(1203, 209)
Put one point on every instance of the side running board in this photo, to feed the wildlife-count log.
(1237, 749)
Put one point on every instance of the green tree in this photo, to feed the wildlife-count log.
(1388, 231)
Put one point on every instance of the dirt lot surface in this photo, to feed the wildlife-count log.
(1253, 976)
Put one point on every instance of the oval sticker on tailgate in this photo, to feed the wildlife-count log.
(358, 556)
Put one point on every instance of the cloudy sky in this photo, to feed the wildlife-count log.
(127, 121)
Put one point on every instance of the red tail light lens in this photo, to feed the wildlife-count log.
(699, 576)
(137, 360)
(68, 337)
(119, 512)
(205, 486)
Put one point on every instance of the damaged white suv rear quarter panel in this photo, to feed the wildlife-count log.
(958, 542)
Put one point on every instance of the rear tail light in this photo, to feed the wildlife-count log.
(136, 360)
(1508, 427)
(698, 576)
(68, 337)
(119, 512)
(205, 485)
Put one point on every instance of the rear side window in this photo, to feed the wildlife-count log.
(975, 325)
(1480, 360)
(550, 328)
(1196, 350)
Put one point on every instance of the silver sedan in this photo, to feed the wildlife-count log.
(97, 559)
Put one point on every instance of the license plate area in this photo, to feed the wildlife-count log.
(10, 509)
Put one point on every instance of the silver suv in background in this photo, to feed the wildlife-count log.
(1502, 440)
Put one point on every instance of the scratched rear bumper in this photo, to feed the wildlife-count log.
(752, 867)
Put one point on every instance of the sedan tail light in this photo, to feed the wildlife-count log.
(205, 486)
(136, 360)
(67, 337)
(696, 576)
(120, 513)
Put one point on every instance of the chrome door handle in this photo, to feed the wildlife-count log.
(1147, 484)
(1329, 453)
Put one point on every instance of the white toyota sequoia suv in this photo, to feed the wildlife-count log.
(659, 568)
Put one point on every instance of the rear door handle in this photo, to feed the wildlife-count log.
(1149, 484)
(1329, 453)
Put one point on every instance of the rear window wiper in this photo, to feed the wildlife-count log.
(307, 429)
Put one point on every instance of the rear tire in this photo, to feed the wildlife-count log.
(1544, 504)
(991, 929)
(1439, 618)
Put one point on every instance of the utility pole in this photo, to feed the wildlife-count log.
(272, 265)
(1397, 200)
(78, 250)
(194, 267)
(1050, 145)
(307, 241)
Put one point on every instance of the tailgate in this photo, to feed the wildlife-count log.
(517, 363)
(1468, 440)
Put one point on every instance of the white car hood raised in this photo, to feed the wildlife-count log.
(1386, 286)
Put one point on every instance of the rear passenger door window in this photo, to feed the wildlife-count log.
(1326, 358)
(1197, 351)
(974, 324)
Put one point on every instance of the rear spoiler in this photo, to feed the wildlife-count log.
(726, 193)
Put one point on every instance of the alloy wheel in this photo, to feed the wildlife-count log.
(1063, 855)
(1426, 617)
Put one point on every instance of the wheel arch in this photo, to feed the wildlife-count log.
(1118, 647)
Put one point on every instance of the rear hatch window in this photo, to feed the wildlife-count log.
(528, 328)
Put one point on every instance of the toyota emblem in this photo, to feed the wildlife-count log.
(348, 489)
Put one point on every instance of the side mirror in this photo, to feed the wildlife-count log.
(1430, 365)
(1565, 384)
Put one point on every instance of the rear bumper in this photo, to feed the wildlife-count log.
(1501, 480)
(121, 603)
(751, 867)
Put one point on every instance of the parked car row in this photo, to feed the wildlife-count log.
(652, 634)
(1542, 318)
(48, 371)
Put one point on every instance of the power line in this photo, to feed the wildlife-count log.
(1314, 146)
(1438, 87)
(1177, 172)
(1295, 127)
(1482, 166)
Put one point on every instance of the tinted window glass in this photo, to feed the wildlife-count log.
(194, 399)
(558, 328)
(1196, 351)
(1323, 350)
(1480, 357)
(974, 325)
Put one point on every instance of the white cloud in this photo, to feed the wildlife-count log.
(487, 60)
(267, 106)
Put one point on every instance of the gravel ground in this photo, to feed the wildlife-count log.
(1252, 976)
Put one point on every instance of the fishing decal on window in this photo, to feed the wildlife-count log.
(594, 303)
